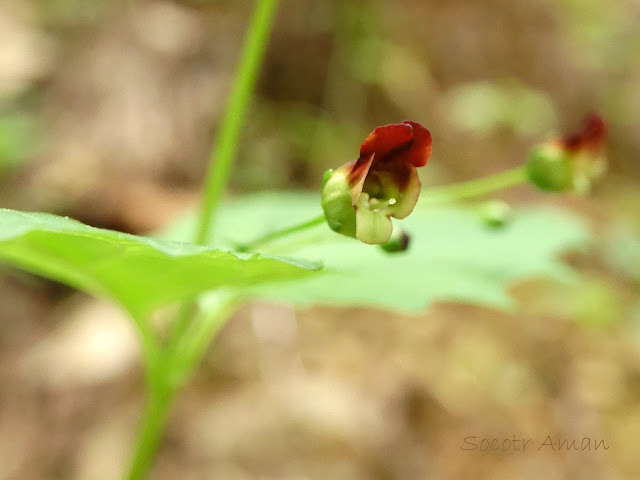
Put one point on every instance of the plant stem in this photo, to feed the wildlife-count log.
(167, 367)
(271, 236)
(473, 188)
(149, 344)
(227, 141)
(181, 321)
(167, 375)
(189, 350)
(150, 430)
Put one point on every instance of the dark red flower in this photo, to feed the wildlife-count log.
(360, 197)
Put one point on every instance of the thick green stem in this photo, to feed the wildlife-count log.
(285, 232)
(473, 188)
(242, 91)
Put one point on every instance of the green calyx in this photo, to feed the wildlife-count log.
(336, 203)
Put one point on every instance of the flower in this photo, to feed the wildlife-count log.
(573, 162)
(359, 197)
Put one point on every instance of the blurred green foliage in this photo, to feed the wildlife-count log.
(453, 255)
(485, 107)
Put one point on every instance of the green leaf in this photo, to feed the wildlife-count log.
(139, 272)
(453, 256)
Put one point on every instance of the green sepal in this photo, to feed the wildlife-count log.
(336, 203)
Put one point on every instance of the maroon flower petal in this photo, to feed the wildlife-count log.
(591, 135)
(383, 140)
(391, 149)
(420, 149)
(360, 197)
(358, 171)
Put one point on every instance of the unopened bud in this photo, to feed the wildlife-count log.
(495, 213)
(399, 242)
(549, 168)
(571, 163)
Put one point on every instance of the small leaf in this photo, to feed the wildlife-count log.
(139, 272)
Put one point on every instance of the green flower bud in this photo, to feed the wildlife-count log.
(549, 168)
(399, 242)
(495, 213)
(571, 163)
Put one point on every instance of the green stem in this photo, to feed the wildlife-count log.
(181, 321)
(189, 350)
(168, 374)
(167, 367)
(271, 236)
(149, 344)
(474, 188)
(227, 141)
(151, 428)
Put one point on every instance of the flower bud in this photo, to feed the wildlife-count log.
(399, 242)
(495, 213)
(549, 168)
(571, 163)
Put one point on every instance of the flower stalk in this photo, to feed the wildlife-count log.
(241, 94)
(277, 234)
(474, 188)
(169, 365)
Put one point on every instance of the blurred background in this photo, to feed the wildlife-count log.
(107, 113)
